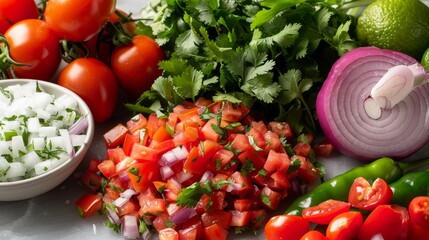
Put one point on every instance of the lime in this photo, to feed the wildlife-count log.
(401, 25)
(425, 59)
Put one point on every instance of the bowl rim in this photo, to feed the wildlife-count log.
(83, 107)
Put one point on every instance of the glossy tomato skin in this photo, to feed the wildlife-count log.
(286, 227)
(313, 235)
(88, 204)
(95, 83)
(387, 221)
(13, 11)
(419, 211)
(324, 212)
(32, 42)
(136, 65)
(345, 226)
(78, 20)
(366, 197)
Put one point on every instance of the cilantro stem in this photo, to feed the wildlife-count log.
(354, 4)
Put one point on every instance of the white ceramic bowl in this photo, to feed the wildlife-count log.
(31, 187)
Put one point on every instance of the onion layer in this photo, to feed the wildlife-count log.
(396, 133)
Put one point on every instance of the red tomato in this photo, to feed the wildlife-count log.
(136, 65)
(366, 197)
(313, 235)
(115, 136)
(345, 226)
(13, 11)
(325, 211)
(168, 234)
(286, 227)
(143, 174)
(88, 204)
(78, 20)
(95, 83)
(387, 221)
(31, 42)
(215, 232)
(419, 211)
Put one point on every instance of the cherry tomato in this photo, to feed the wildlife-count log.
(88, 204)
(136, 65)
(13, 11)
(386, 221)
(419, 211)
(78, 20)
(313, 235)
(325, 211)
(31, 42)
(286, 227)
(345, 226)
(366, 197)
(95, 83)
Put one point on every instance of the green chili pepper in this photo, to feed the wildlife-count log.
(338, 187)
(410, 186)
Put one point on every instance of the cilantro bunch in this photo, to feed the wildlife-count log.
(272, 55)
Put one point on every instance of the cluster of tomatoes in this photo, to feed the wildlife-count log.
(35, 43)
(367, 214)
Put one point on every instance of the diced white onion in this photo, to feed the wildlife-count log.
(206, 176)
(181, 153)
(16, 169)
(31, 159)
(127, 194)
(120, 201)
(18, 146)
(166, 172)
(183, 176)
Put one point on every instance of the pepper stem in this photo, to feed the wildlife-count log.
(409, 166)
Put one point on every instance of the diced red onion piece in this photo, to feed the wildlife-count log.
(182, 176)
(206, 176)
(168, 159)
(120, 201)
(128, 193)
(79, 126)
(182, 215)
(130, 228)
(166, 172)
(397, 133)
(113, 216)
(181, 153)
(123, 176)
(172, 208)
(233, 186)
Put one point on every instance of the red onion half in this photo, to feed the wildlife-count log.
(396, 133)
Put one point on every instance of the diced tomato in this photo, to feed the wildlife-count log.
(93, 164)
(221, 158)
(215, 232)
(188, 233)
(143, 174)
(129, 141)
(115, 136)
(324, 149)
(88, 204)
(160, 222)
(165, 146)
(168, 234)
(91, 179)
(107, 168)
(243, 183)
(146, 195)
(203, 102)
(279, 182)
(219, 217)
(307, 172)
(124, 164)
(161, 135)
(199, 158)
(282, 129)
(195, 223)
(324, 212)
(273, 141)
(302, 149)
(153, 207)
(277, 162)
(130, 206)
(242, 204)
(240, 218)
(269, 198)
(172, 189)
(258, 218)
(153, 123)
(256, 159)
(143, 153)
(136, 123)
(209, 131)
(241, 143)
(116, 154)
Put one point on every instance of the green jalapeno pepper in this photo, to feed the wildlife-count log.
(410, 186)
(338, 187)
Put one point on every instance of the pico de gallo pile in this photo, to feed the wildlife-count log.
(204, 169)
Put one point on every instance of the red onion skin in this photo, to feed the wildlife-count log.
(323, 102)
